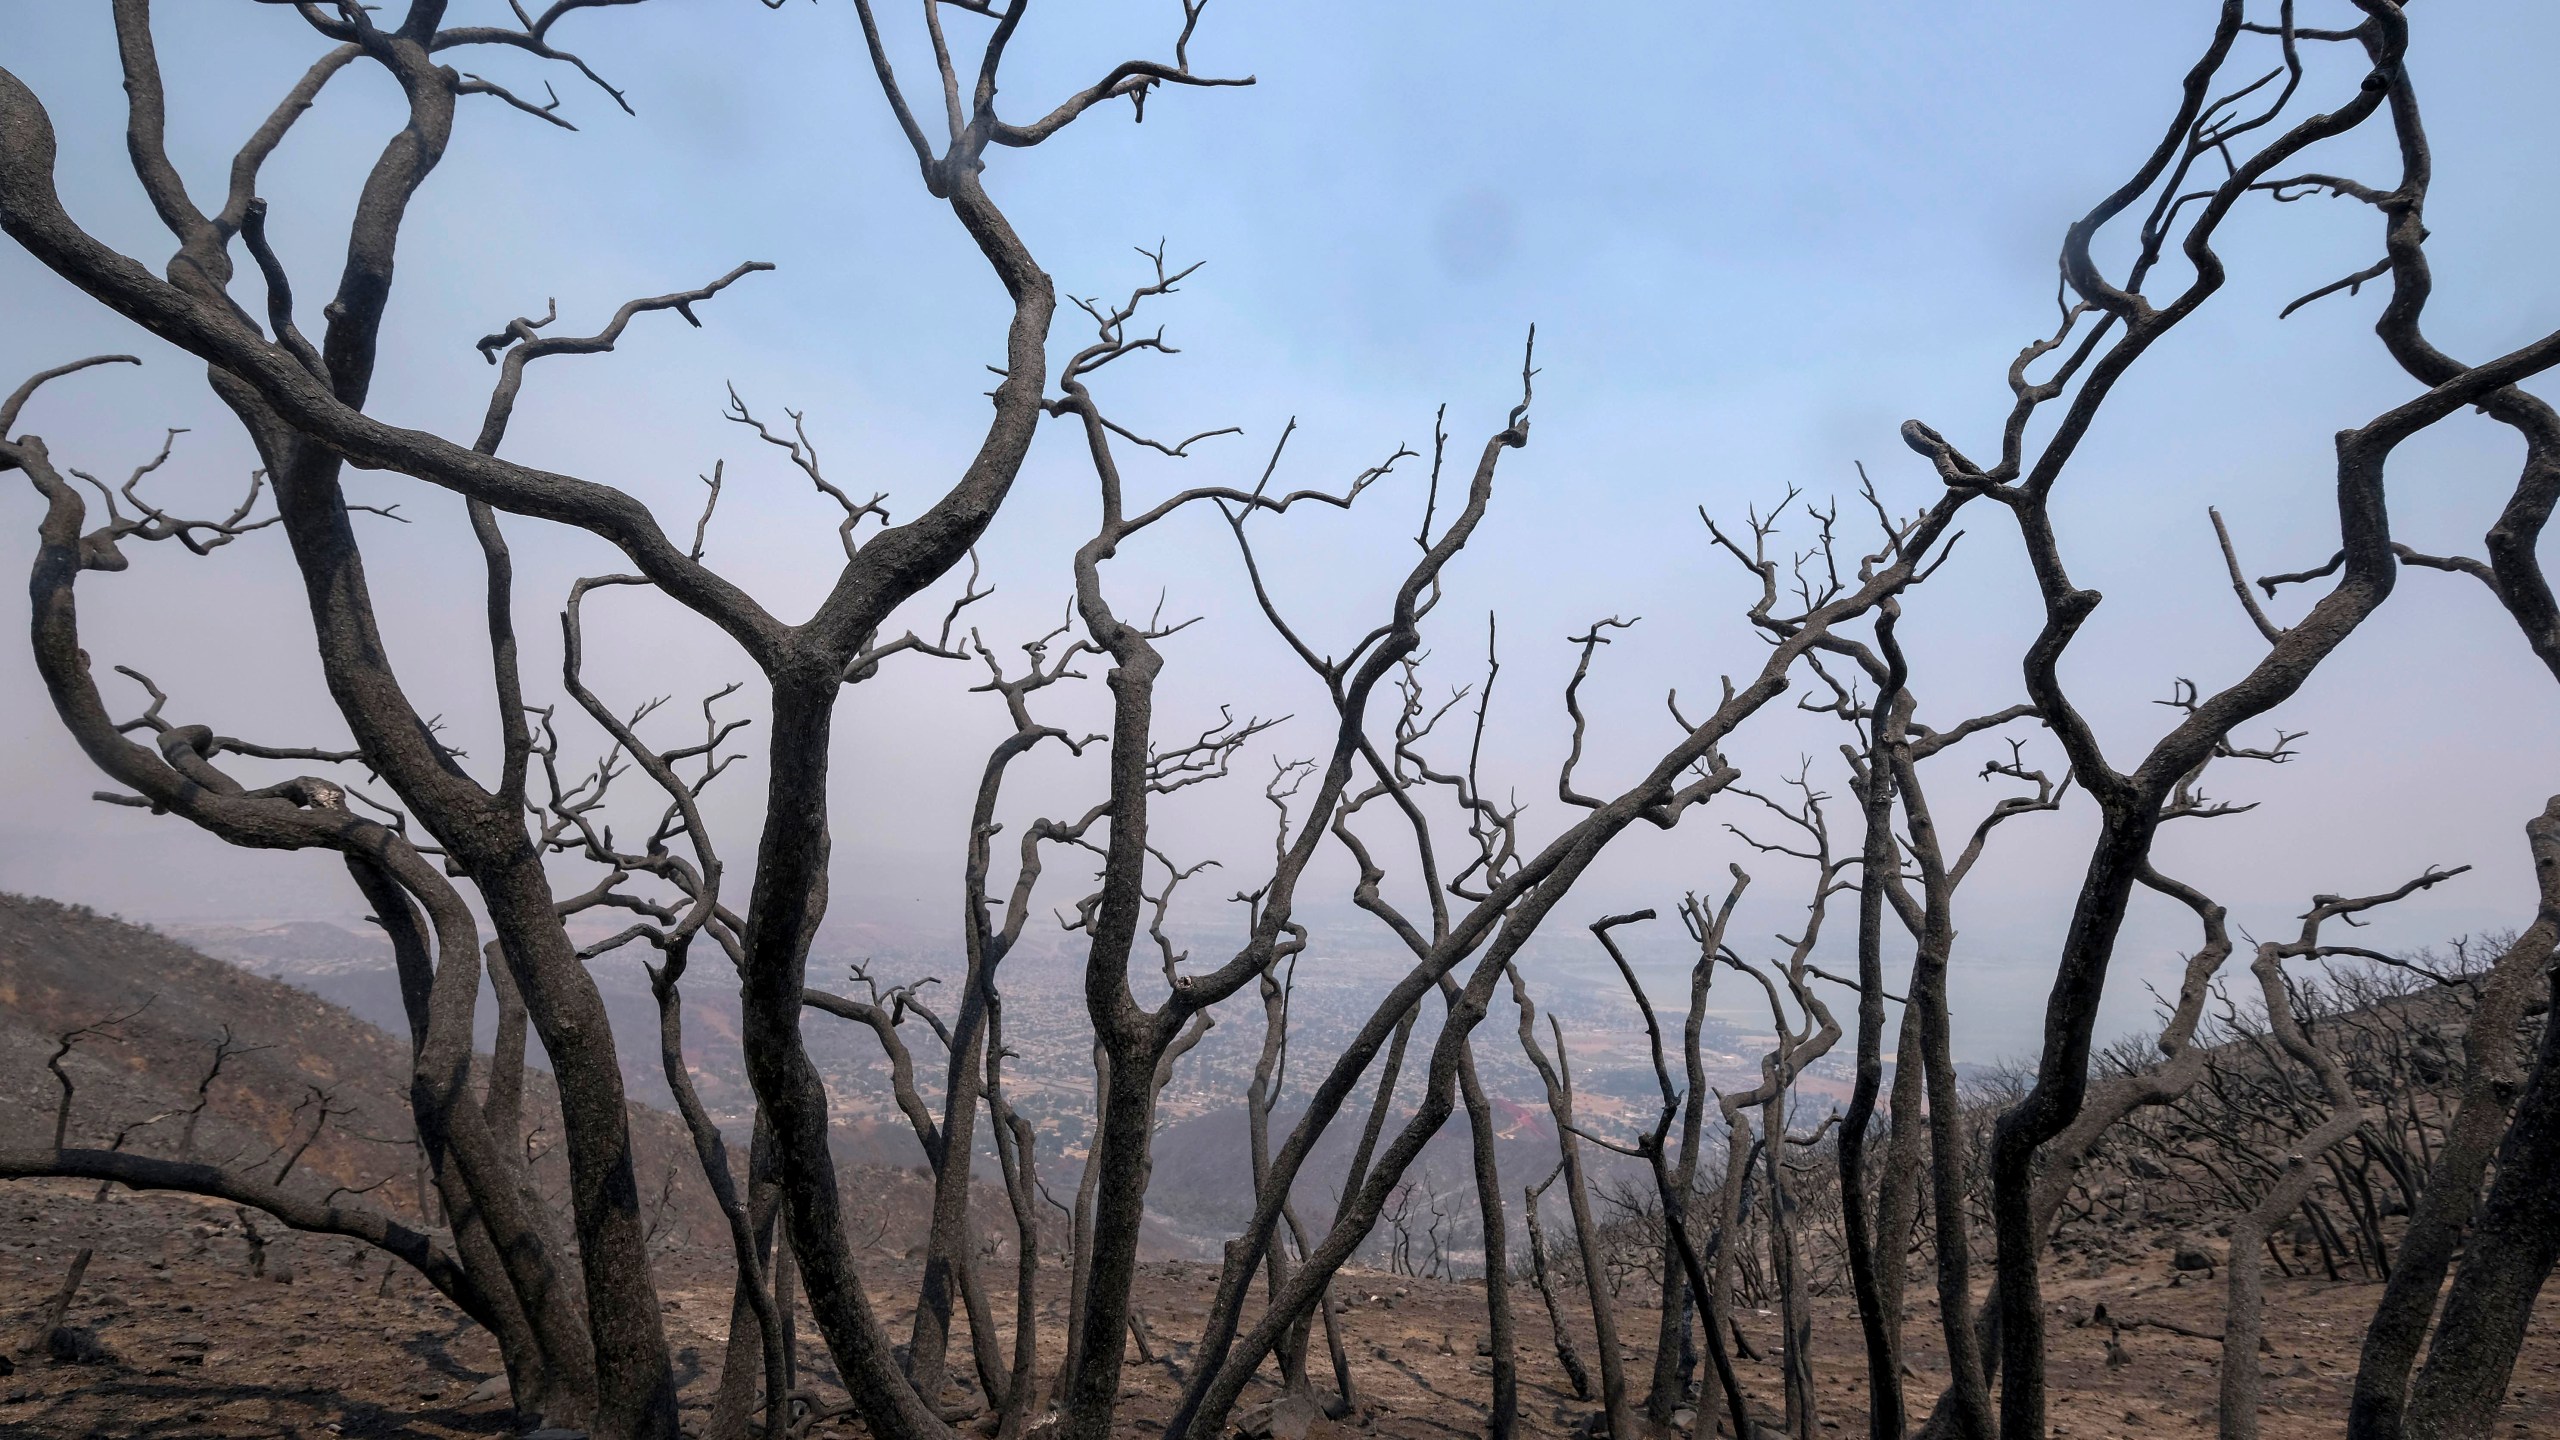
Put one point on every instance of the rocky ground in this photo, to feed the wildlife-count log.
(172, 1335)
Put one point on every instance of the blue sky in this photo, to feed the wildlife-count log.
(1754, 240)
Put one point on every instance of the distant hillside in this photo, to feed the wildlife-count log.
(353, 970)
(328, 997)
(64, 966)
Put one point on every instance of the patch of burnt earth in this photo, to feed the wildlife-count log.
(189, 1342)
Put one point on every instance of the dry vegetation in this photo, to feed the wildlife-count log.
(2375, 1153)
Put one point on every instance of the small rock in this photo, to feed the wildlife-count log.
(1293, 1416)
(2190, 1256)
(493, 1388)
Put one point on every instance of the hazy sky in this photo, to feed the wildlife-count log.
(1753, 239)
